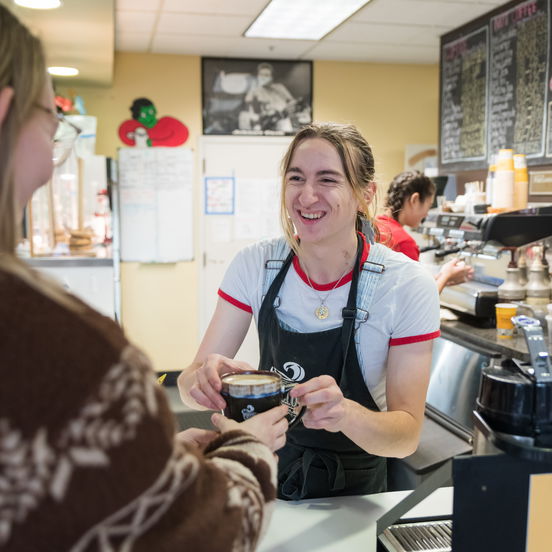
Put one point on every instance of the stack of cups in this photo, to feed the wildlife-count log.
(503, 182)
(521, 182)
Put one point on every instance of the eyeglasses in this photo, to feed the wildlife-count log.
(65, 136)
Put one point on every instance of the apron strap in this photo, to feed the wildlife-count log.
(368, 282)
(280, 252)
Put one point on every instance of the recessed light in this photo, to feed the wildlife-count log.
(39, 4)
(63, 71)
(302, 19)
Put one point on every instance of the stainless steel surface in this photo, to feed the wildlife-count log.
(454, 380)
(464, 297)
(480, 241)
(419, 537)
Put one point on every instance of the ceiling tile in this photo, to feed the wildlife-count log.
(225, 7)
(215, 25)
(132, 42)
(372, 32)
(413, 12)
(229, 47)
(134, 21)
(138, 5)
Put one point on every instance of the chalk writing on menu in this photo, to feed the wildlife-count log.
(518, 75)
(464, 98)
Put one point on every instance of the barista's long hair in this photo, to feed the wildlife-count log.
(358, 165)
(23, 68)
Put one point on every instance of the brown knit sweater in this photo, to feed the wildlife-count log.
(88, 458)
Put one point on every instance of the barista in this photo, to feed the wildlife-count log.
(363, 381)
(409, 198)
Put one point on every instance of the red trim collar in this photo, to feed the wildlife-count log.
(345, 280)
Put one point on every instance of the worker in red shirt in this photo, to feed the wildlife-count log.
(409, 198)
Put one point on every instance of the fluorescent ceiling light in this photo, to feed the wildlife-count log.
(39, 4)
(302, 19)
(63, 71)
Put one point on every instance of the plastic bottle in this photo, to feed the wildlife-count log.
(521, 182)
(548, 319)
(538, 287)
(522, 265)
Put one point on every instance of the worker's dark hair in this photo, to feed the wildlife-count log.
(403, 186)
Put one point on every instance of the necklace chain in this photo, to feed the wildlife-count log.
(322, 311)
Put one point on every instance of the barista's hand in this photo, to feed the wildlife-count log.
(269, 427)
(207, 385)
(455, 272)
(195, 436)
(326, 405)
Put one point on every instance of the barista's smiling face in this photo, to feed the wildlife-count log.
(318, 196)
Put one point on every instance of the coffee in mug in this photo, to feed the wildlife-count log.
(254, 391)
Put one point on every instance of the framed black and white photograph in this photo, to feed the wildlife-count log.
(255, 96)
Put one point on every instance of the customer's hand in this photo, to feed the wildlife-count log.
(326, 405)
(207, 385)
(195, 436)
(269, 427)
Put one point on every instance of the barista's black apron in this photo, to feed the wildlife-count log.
(316, 463)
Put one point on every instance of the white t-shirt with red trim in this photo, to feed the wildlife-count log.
(405, 308)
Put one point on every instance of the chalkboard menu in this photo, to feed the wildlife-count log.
(494, 87)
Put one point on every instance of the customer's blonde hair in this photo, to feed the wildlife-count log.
(23, 68)
(358, 164)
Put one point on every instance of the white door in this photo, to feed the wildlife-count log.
(240, 176)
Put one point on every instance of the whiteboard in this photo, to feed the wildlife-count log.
(155, 204)
(239, 205)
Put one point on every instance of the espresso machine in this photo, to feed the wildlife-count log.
(484, 241)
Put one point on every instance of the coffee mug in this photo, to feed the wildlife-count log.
(254, 391)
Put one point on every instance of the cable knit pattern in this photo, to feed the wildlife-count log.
(88, 459)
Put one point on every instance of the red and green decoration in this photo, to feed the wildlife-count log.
(146, 130)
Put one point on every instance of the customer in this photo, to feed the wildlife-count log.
(352, 323)
(409, 198)
(88, 455)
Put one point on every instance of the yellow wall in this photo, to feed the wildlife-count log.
(393, 105)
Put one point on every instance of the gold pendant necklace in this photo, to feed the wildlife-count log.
(322, 311)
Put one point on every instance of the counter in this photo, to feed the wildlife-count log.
(472, 335)
(94, 280)
(341, 524)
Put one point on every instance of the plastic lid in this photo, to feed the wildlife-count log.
(505, 154)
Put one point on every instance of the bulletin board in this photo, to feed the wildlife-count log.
(495, 87)
(155, 204)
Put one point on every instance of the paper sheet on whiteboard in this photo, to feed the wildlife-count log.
(155, 192)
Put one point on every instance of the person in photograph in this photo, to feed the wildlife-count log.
(407, 202)
(268, 104)
(89, 456)
(350, 322)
